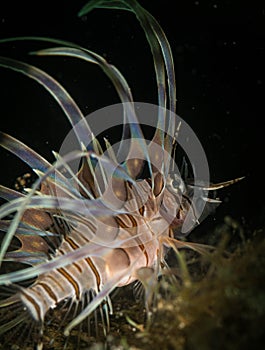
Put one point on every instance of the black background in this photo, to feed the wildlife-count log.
(218, 49)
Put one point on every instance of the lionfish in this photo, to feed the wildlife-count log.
(85, 230)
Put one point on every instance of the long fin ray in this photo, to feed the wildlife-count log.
(138, 148)
(68, 105)
(130, 126)
(9, 194)
(25, 153)
(35, 162)
(89, 249)
(162, 57)
(20, 205)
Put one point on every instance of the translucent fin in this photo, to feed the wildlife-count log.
(31, 256)
(9, 194)
(20, 205)
(219, 185)
(202, 249)
(163, 60)
(130, 120)
(36, 162)
(138, 147)
(26, 229)
(34, 249)
(25, 153)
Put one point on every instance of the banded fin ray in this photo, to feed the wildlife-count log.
(68, 105)
(20, 206)
(30, 237)
(119, 83)
(25, 153)
(138, 148)
(26, 229)
(35, 162)
(9, 194)
(163, 59)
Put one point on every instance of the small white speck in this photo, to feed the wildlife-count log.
(215, 6)
(182, 325)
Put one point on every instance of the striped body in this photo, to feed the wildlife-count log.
(92, 273)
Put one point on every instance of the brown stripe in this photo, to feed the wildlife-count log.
(149, 181)
(48, 290)
(88, 260)
(78, 267)
(141, 211)
(71, 242)
(71, 280)
(33, 302)
(171, 233)
(121, 223)
(133, 221)
(74, 246)
(140, 245)
(95, 271)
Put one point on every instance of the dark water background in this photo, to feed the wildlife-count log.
(218, 48)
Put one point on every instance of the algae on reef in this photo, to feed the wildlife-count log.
(224, 308)
(217, 303)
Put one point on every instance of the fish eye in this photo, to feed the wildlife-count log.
(176, 183)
